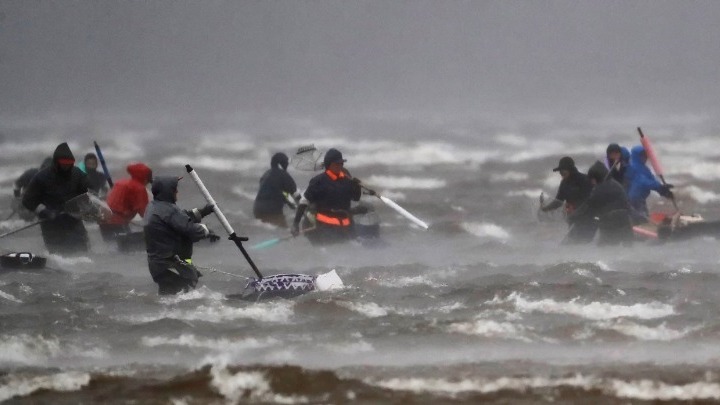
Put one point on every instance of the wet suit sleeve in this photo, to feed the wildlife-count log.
(33, 194)
(289, 185)
(183, 223)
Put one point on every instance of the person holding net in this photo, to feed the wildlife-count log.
(276, 188)
(330, 193)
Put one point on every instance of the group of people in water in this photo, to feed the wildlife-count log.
(609, 199)
(170, 232)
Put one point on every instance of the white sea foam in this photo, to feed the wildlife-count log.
(70, 261)
(704, 171)
(532, 193)
(587, 274)
(248, 386)
(237, 190)
(594, 310)
(19, 386)
(10, 175)
(13, 149)
(642, 332)
(415, 154)
(486, 230)
(209, 163)
(12, 224)
(509, 176)
(402, 282)
(647, 390)
(369, 309)
(27, 349)
(489, 328)
(9, 297)
(700, 195)
(603, 266)
(202, 293)
(405, 182)
(220, 345)
(273, 312)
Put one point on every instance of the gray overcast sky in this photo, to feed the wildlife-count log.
(365, 56)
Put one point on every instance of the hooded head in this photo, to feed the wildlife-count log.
(140, 172)
(638, 155)
(63, 158)
(598, 172)
(279, 160)
(164, 188)
(613, 152)
(91, 162)
(333, 156)
(625, 153)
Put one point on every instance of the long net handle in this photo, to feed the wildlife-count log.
(210, 200)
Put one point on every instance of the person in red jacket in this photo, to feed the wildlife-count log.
(127, 198)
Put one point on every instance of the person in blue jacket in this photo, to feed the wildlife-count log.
(640, 181)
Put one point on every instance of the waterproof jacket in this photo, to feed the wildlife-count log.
(270, 199)
(607, 201)
(53, 187)
(640, 181)
(574, 190)
(332, 194)
(129, 197)
(169, 231)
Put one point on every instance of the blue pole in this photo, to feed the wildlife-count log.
(102, 162)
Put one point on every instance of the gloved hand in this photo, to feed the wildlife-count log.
(295, 229)
(206, 210)
(359, 210)
(356, 181)
(213, 237)
(665, 191)
(16, 192)
(47, 214)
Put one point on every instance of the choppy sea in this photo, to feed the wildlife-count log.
(485, 306)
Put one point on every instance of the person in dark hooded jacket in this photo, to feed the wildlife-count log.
(574, 189)
(47, 194)
(615, 162)
(96, 180)
(169, 236)
(330, 194)
(275, 185)
(640, 181)
(609, 206)
(21, 185)
(128, 198)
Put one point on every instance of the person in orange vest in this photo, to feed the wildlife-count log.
(330, 194)
(129, 197)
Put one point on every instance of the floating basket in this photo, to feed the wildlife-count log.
(22, 260)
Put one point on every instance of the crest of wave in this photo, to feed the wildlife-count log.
(247, 386)
(19, 386)
(219, 312)
(593, 310)
(486, 230)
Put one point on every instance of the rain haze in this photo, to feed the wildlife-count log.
(456, 111)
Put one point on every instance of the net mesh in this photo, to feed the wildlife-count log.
(308, 158)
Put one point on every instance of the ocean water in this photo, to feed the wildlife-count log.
(485, 306)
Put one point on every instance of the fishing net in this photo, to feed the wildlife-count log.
(308, 158)
(88, 207)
